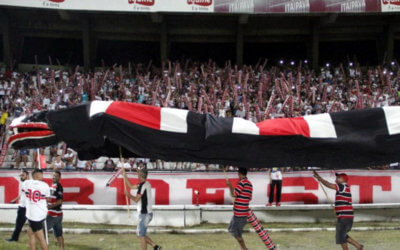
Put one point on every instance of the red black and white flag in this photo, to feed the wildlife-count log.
(350, 139)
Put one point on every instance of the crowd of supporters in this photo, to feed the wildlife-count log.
(256, 93)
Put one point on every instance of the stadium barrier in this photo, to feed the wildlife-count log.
(190, 215)
(209, 188)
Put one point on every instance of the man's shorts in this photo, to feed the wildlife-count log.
(55, 223)
(236, 226)
(143, 222)
(343, 226)
(36, 225)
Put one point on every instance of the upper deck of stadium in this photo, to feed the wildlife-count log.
(242, 38)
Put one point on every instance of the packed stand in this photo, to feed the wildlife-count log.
(255, 93)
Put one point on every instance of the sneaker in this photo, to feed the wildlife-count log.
(11, 240)
(269, 204)
(157, 247)
(278, 204)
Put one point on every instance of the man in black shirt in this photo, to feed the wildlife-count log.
(55, 214)
(21, 218)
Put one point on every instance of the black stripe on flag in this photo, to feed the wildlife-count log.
(356, 125)
(196, 130)
(217, 127)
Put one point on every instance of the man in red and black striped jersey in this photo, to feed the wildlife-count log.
(343, 208)
(242, 194)
(55, 214)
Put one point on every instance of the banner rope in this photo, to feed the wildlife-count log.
(125, 188)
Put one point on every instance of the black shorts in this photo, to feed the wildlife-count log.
(236, 226)
(55, 223)
(36, 225)
(343, 226)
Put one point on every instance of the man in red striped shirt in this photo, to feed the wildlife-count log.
(55, 213)
(343, 208)
(242, 194)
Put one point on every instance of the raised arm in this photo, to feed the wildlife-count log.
(135, 198)
(323, 181)
(231, 190)
(128, 183)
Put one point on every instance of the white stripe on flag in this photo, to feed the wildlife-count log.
(173, 120)
(242, 126)
(392, 115)
(17, 121)
(30, 138)
(97, 107)
(321, 126)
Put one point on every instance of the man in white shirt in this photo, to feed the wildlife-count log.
(21, 218)
(275, 177)
(37, 192)
(144, 202)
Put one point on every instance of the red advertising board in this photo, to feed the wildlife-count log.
(209, 188)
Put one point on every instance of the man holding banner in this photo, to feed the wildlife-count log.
(144, 201)
(343, 208)
(242, 194)
(242, 214)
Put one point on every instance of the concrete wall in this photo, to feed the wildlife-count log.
(181, 216)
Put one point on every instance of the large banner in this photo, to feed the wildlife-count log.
(233, 6)
(184, 188)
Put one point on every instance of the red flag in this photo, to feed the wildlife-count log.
(92, 89)
(39, 81)
(269, 107)
(278, 89)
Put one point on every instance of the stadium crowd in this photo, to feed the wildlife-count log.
(256, 93)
